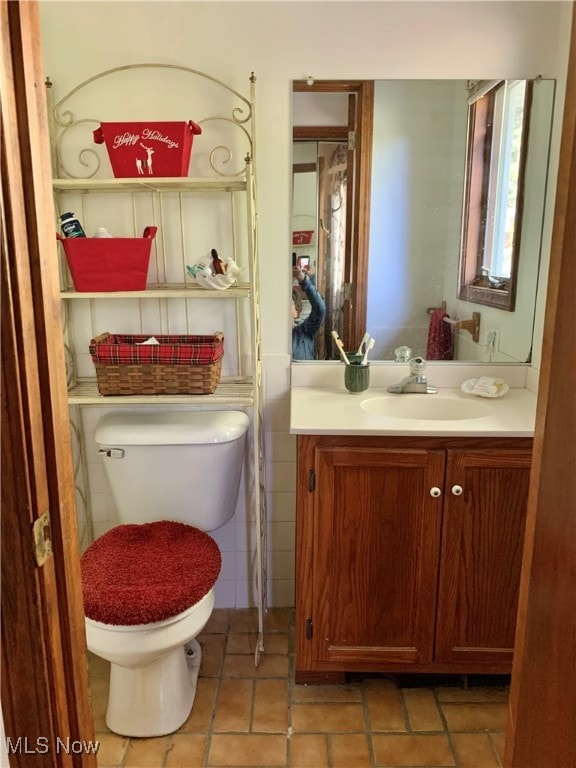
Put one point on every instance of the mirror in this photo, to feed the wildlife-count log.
(410, 203)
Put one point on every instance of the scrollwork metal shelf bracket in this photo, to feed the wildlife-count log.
(63, 122)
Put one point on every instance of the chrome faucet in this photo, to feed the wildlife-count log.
(416, 382)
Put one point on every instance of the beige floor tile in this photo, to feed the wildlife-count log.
(308, 750)
(244, 620)
(111, 749)
(475, 717)
(218, 621)
(498, 739)
(328, 718)
(242, 665)
(275, 620)
(186, 751)
(245, 642)
(472, 695)
(98, 667)
(475, 750)
(326, 693)
(202, 710)
(379, 686)
(146, 753)
(423, 713)
(240, 750)
(241, 713)
(277, 643)
(350, 750)
(278, 619)
(270, 713)
(384, 706)
(212, 655)
(412, 750)
(241, 642)
(99, 701)
(234, 706)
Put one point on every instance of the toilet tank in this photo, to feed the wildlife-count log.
(174, 465)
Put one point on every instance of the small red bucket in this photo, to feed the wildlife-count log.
(109, 263)
(148, 149)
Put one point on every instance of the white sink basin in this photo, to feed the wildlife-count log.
(425, 407)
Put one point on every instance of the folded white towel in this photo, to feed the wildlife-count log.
(151, 340)
(485, 385)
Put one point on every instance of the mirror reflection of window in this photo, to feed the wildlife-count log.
(504, 198)
(498, 119)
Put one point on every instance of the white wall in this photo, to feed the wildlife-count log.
(418, 160)
(280, 42)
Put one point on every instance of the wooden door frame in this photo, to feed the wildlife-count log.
(355, 310)
(543, 695)
(45, 695)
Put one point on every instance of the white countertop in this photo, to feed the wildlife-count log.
(334, 411)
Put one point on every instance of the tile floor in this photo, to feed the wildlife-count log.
(248, 717)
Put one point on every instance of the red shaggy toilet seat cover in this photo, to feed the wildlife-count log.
(140, 574)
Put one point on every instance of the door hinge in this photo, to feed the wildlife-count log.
(347, 291)
(352, 140)
(309, 629)
(311, 480)
(42, 541)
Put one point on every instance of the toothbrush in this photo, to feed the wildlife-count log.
(343, 354)
(368, 348)
(340, 346)
(365, 340)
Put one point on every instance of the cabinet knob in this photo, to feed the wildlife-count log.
(457, 490)
(435, 492)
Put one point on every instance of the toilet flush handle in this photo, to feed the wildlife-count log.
(112, 453)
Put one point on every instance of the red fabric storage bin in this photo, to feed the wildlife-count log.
(302, 237)
(109, 263)
(148, 149)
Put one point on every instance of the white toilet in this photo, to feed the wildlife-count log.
(148, 584)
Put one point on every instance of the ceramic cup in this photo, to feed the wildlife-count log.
(356, 377)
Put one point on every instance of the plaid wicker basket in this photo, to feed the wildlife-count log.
(177, 365)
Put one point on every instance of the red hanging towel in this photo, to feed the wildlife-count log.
(440, 342)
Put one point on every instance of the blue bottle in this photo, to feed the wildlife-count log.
(70, 226)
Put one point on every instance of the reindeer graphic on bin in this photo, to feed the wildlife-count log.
(145, 164)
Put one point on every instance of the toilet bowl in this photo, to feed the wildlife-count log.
(148, 584)
(153, 672)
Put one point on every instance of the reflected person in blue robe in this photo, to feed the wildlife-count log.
(304, 332)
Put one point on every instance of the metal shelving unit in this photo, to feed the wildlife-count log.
(168, 201)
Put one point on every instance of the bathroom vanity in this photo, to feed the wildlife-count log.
(409, 532)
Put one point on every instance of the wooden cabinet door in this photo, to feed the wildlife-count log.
(481, 555)
(376, 540)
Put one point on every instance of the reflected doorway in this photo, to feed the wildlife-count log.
(343, 159)
(319, 216)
